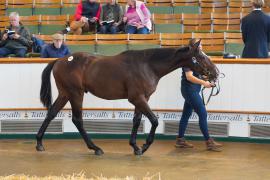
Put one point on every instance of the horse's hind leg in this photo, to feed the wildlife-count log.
(136, 123)
(76, 104)
(52, 112)
(141, 104)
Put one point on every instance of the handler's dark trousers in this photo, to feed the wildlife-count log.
(193, 100)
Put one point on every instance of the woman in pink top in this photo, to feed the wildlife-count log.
(137, 17)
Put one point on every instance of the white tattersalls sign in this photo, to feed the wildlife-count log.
(238, 122)
(216, 117)
(42, 114)
(128, 115)
(4, 115)
(97, 114)
(264, 119)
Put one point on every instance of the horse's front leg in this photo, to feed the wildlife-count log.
(141, 104)
(136, 123)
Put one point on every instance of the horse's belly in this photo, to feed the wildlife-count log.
(107, 91)
(106, 81)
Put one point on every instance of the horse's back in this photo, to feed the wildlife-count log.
(68, 71)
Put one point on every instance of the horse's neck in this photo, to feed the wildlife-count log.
(162, 67)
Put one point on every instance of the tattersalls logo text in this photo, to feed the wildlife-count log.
(96, 114)
(10, 115)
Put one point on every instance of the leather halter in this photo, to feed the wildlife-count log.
(215, 89)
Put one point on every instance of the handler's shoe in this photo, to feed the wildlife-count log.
(182, 143)
(211, 145)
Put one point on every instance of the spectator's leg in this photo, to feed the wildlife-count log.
(96, 27)
(143, 30)
(121, 27)
(131, 29)
(20, 52)
(91, 27)
(4, 52)
(114, 29)
(103, 29)
(76, 27)
(85, 27)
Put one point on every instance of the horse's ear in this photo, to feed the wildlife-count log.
(193, 44)
(197, 44)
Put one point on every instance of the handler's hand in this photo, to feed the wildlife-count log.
(207, 84)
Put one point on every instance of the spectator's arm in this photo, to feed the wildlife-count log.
(44, 52)
(268, 33)
(243, 29)
(121, 13)
(25, 38)
(146, 13)
(67, 51)
(2, 42)
(78, 12)
(98, 13)
(101, 15)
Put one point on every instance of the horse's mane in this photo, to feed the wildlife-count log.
(155, 54)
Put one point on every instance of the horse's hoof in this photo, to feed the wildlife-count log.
(40, 148)
(138, 152)
(144, 148)
(99, 152)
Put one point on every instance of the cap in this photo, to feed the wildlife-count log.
(58, 36)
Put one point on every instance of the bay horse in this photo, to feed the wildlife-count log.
(132, 75)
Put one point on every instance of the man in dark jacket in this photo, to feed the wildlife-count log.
(256, 32)
(86, 17)
(111, 17)
(56, 49)
(16, 39)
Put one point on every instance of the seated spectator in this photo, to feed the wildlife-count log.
(137, 17)
(87, 16)
(16, 39)
(56, 49)
(111, 17)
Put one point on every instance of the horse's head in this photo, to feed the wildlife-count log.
(199, 62)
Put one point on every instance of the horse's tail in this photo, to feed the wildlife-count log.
(46, 90)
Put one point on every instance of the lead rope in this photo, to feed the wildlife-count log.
(215, 87)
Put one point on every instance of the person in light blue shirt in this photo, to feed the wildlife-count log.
(56, 49)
